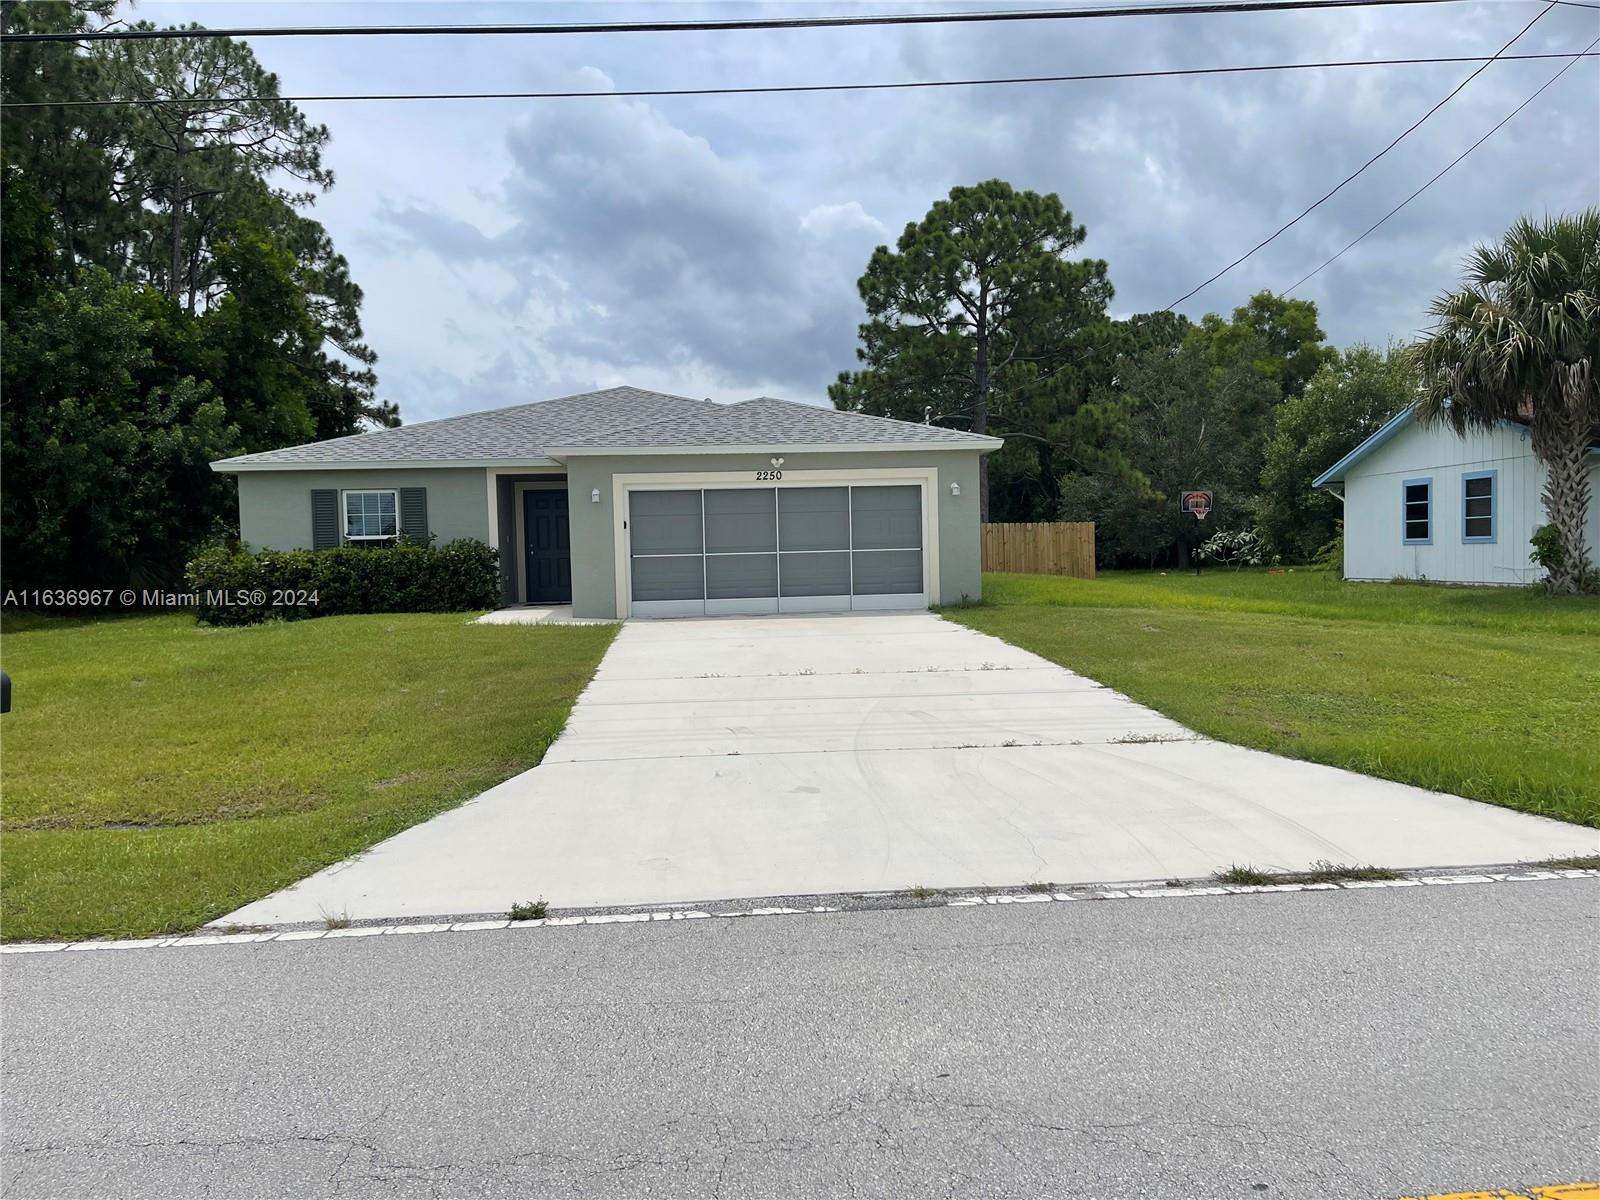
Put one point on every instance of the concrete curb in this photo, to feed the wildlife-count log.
(727, 910)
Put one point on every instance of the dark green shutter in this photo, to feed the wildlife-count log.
(414, 515)
(324, 518)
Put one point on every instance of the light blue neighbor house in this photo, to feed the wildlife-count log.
(628, 502)
(1423, 502)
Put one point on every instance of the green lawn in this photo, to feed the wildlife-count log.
(158, 773)
(1491, 693)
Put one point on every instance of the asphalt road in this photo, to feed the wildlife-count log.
(1326, 1044)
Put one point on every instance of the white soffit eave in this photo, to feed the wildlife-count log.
(228, 466)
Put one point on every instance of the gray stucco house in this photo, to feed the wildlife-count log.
(628, 502)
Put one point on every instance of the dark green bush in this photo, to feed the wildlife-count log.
(1549, 551)
(236, 587)
(1330, 555)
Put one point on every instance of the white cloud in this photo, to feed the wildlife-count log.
(514, 250)
(830, 220)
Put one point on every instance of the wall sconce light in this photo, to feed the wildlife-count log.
(594, 496)
(955, 489)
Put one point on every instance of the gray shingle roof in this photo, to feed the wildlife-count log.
(614, 419)
(519, 432)
(770, 422)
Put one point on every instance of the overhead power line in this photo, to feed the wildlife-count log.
(780, 89)
(753, 23)
(1338, 187)
(1451, 165)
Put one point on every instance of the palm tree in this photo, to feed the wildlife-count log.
(1520, 340)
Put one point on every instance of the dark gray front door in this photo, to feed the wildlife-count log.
(549, 549)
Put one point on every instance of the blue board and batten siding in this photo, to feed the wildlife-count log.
(1376, 545)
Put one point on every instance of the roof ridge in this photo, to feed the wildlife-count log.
(621, 387)
(657, 422)
(664, 420)
(650, 424)
(827, 414)
(853, 413)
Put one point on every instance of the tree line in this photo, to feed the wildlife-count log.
(167, 301)
(981, 318)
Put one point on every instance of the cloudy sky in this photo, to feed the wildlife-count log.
(518, 250)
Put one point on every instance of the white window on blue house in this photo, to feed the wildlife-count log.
(371, 516)
(1477, 506)
(1416, 512)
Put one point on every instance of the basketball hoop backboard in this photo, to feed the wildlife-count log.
(1198, 503)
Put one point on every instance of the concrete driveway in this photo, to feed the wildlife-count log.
(786, 756)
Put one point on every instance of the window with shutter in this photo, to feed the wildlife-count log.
(414, 515)
(324, 518)
(371, 516)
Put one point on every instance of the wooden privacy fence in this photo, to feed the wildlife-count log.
(1041, 548)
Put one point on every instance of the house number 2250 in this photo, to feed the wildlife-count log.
(768, 475)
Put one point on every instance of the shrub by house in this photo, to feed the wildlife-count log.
(237, 587)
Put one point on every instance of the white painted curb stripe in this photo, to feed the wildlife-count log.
(1147, 893)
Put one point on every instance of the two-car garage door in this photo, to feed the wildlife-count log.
(726, 550)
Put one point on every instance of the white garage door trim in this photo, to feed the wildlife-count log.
(622, 485)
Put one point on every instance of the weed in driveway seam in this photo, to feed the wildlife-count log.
(529, 910)
(1581, 862)
(1029, 894)
(1321, 871)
